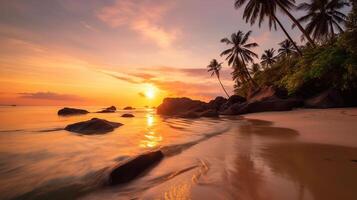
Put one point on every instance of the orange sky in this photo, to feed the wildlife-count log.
(95, 52)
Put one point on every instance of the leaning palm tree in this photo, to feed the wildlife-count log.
(268, 58)
(214, 67)
(286, 49)
(239, 55)
(322, 17)
(260, 9)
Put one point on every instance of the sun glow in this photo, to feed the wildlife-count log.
(150, 92)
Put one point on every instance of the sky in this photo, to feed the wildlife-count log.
(118, 52)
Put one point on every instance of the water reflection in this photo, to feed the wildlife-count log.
(151, 137)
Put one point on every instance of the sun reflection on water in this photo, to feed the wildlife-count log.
(151, 137)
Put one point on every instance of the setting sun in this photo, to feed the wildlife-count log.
(150, 92)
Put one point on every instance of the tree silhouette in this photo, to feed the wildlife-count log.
(238, 55)
(214, 67)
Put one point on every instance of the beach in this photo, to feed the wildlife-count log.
(299, 154)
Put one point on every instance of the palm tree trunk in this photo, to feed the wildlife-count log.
(287, 35)
(296, 22)
(222, 86)
(247, 72)
(332, 31)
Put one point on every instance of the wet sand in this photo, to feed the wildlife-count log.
(302, 154)
(316, 154)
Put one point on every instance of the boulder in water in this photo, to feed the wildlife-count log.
(93, 126)
(128, 108)
(110, 109)
(127, 115)
(71, 111)
(134, 167)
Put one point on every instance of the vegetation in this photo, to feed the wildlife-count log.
(239, 55)
(323, 17)
(268, 58)
(214, 67)
(327, 61)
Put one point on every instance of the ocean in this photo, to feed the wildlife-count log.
(225, 158)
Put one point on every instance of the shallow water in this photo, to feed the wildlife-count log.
(226, 158)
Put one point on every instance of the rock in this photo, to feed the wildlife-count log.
(209, 113)
(271, 104)
(232, 100)
(133, 168)
(127, 115)
(110, 109)
(93, 126)
(71, 111)
(217, 103)
(266, 92)
(189, 115)
(328, 99)
(180, 106)
(128, 108)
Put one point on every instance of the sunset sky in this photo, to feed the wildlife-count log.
(112, 52)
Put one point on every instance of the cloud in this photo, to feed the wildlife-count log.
(190, 82)
(142, 17)
(49, 96)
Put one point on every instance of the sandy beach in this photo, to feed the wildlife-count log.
(301, 154)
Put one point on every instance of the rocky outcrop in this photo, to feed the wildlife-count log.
(127, 115)
(266, 92)
(232, 100)
(110, 109)
(128, 108)
(217, 103)
(180, 106)
(71, 111)
(271, 104)
(134, 167)
(328, 99)
(93, 126)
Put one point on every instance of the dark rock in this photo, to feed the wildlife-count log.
(209, 113)
(266, 92)
(189, 115)
(93, 126)
(217, 103)
(232, 100)
(71, 111)
(128, 108)
(133, 168)
(110, 109)
(271, 104)
(328, 99)
(127, 115)
(180, 106)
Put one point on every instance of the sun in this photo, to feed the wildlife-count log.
(150, 92)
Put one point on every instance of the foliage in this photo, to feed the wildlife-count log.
(326, 66)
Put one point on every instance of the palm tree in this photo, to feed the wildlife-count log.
(286, 49)
(268, 58)
(323, 16)
(238, 55)
(254, 69)
(214, 67)
(259, 9)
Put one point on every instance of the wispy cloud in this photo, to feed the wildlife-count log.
(141, 16)
(49, 96)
